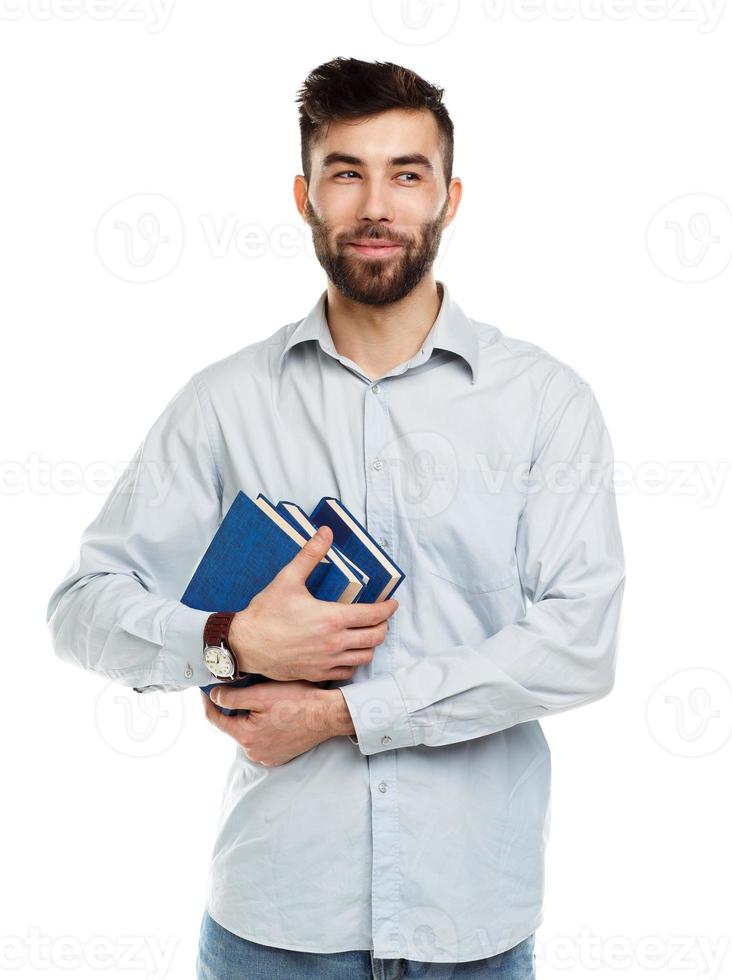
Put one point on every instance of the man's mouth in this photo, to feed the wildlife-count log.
(374, 249)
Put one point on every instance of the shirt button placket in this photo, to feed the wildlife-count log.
(385, 872)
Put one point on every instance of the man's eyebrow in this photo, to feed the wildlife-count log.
(406, 160)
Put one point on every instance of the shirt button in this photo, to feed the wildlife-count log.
(376, 389)
(386, 739)
(382, 787)
(377, 464)
(381, 543)
(188, 671)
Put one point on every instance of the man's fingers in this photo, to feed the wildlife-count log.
(350, 659)
(228, 696)
(359, 637)
(368, 613)
(226, 723)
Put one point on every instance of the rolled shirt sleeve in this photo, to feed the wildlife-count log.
(562, 653)
(117, 611)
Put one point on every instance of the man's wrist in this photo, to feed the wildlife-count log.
(339, 717)
(239, 642)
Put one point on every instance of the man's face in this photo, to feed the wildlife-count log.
(377, 203)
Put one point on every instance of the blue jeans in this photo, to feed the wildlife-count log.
(224, 956)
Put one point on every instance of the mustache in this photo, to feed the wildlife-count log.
(375, 235)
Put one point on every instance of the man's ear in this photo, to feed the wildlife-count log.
(454, 194)
(300, 192)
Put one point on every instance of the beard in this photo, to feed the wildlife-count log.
(376, 282)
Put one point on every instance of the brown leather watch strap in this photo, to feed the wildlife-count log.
(216, 632)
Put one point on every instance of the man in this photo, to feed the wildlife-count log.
(394, 822)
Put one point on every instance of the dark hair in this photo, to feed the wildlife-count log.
(346, 88)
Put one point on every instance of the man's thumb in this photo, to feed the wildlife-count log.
(312, 551)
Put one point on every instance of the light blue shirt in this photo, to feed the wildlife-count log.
(483, 465)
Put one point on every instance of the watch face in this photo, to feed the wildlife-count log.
(219, 661)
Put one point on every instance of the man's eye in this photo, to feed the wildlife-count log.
(348, 173)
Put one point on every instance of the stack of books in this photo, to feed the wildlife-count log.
(256, 539)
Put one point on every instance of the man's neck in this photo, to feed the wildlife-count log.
(377, 338)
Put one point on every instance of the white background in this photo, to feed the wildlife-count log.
(593, 140)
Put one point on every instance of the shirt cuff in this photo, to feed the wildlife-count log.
(179, 663)
(379, 714)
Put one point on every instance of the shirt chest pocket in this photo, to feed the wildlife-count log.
(469, 539)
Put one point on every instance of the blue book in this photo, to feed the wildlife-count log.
(248, 549)
(299, 519)
(354, 540)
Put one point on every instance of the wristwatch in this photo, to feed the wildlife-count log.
(217, 654)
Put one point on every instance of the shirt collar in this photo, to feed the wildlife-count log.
(452, 330)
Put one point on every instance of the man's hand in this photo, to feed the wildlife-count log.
(286, 634)
(286, 718)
